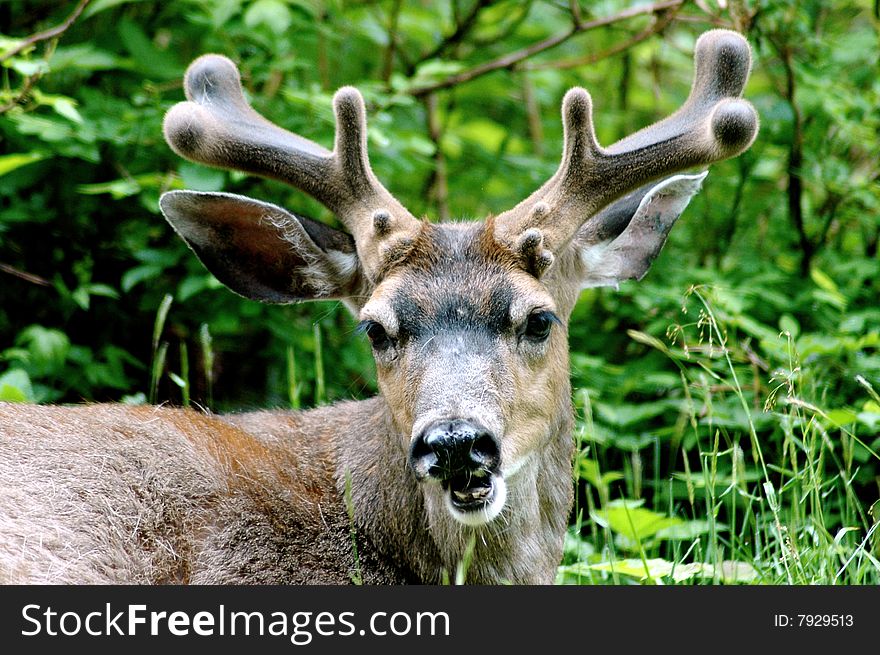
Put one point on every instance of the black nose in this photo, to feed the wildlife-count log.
(449, 448)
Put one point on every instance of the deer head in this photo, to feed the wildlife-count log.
(468, 321)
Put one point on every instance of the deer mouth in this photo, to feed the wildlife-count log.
(470, 491)
(475, 497)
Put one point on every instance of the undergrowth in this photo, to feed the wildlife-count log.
(759, 477)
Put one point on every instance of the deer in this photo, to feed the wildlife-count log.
(465, 456)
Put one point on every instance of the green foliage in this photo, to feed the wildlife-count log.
(728, 416)
(757, 447)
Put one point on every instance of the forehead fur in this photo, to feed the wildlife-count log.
(441, 244)
(457, 275)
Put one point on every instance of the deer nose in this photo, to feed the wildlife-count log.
(449, 448)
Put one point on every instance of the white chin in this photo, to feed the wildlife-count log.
(485, 514)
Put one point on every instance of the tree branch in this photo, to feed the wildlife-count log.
(440, 189)
(461, 30)
(22, 93)
(27, 277)
(513, 25)
(391, 50)
(658, 25)
(323, 60)
(795, 189)
(533, 113)
(51, 33)
(574, 6)
(513, 58)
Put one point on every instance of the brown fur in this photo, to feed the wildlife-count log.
(108, 493)
(112, 494)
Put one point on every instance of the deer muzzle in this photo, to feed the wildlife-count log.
(464, 457)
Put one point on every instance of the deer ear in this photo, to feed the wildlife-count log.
(263, 252)
(622, 241)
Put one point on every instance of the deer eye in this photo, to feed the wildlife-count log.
(538, 325)
(377, 335)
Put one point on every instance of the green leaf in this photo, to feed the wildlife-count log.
(138, 274)
(195, 284)
(575, 548)
(8, 44)
(9, 163)
(124, 187)
(842, 417)
(66, 107)
(829, 291)
(46, 349)
(102, 5)
(117, 188)
(624, 415)
(201, 178)
(728, 572)
(66, 139)
(83, 294)
(870, 417)
(28, 67)
(105, 290)
(732, 571)
(45, 128)
(837, 300)
(176, 379)
(81, 297)
(85, 57)
(823, 281)
(756, 329)
(482, 132)
(684, 572)
(636, 568)
(436, 70)
(589, 470)
(163, 258)
(787, 323)
(648, 340)
(15, 386)
(633, 522)
(688, 530)
(271, 14)
(148, 58)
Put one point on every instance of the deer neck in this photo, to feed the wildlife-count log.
(409, 525)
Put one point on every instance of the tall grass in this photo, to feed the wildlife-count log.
(320, 387)
(159, 348)
(206, 344)
(160, 368)
(763, 497)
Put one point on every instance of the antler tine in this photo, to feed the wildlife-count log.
(712, 125)
(218, 127)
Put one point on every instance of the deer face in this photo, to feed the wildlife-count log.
(467, 323)
(471, 356)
